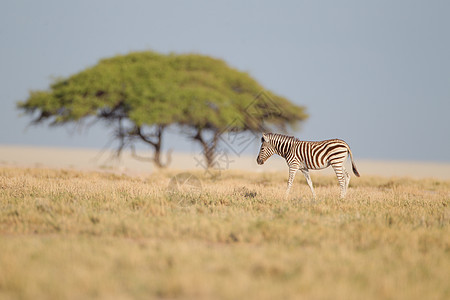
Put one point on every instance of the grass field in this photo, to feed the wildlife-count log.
(78, 235)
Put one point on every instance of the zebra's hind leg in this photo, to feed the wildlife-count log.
(309, 181)
(347, 179)
(341, 176)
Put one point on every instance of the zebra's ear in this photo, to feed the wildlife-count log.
(264, 138)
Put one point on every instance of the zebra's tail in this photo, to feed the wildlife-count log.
(355, 171)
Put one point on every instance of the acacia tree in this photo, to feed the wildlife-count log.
(217, 99)
(140, 94)
(128, 93)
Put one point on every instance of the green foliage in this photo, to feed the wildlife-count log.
(156, 90)
(152, 88)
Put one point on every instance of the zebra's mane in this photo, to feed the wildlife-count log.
(272, 136)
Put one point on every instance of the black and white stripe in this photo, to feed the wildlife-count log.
(305, 156)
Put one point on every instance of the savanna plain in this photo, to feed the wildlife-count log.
(67, 234)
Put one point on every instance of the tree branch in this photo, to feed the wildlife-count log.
(138, 157)
(145, 138)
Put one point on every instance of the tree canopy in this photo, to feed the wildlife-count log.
(142, 93)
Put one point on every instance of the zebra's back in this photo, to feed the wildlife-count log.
(316, 155)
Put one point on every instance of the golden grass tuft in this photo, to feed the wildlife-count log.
(71, 235)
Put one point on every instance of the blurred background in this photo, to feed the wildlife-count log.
(376, 74)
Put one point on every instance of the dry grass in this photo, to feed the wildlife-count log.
(67, 234)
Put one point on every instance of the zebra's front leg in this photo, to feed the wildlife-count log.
(309, 181)
(292, 172)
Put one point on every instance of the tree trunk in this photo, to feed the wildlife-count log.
(209, 148)
(156, 146)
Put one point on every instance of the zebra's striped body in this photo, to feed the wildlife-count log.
(305, 156)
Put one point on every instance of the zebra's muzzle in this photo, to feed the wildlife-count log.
(259, 161)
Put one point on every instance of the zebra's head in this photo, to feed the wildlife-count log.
(266, 150)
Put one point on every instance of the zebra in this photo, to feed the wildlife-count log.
(305, 156)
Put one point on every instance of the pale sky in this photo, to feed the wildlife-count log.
(374, 73)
